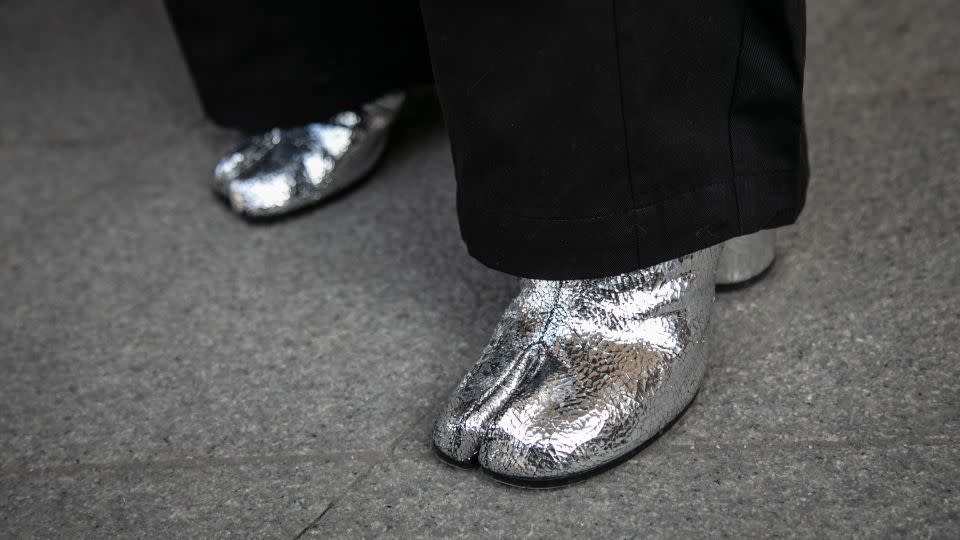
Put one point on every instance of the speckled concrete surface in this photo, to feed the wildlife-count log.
(170, 370)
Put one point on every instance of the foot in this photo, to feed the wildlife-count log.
(504, 362)
(581, 373)
(287, 169)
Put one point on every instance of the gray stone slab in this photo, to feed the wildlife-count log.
(197, 498)
(44, 185)
(852, 334)
(146, 320)
(668, 491)
(171, 369)
(867, 46)
(83, 71)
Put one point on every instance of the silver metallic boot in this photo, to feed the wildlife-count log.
(581, 373)
(746, 257)
(286, 169)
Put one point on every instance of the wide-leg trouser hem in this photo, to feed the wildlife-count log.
(596, 246)
(260, 65)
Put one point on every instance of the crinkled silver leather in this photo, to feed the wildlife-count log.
(286, 169)
(581, 372)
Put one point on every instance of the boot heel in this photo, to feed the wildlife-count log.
(746, 257)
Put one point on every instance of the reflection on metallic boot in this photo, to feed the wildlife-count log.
(483, 391)
(602, 366)
(746, 257)
(286, 169)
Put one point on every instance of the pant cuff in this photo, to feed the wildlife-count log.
(624, 241)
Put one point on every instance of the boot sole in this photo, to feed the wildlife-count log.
(556, 483)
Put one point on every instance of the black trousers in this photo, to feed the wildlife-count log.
(589, 138)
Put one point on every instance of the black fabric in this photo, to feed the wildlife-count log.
(259, 65)
(589, 138)
(594, 138)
